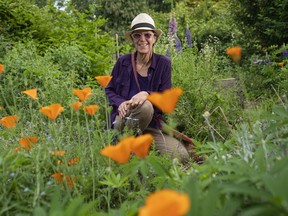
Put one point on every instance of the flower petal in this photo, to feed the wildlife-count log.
(167, 100)
(141, 145)
(82, 94)
(9, 121)
(166, 202)
(31, 93)
(52, 111)
(91, 110)
(103, 80)
(120, 152)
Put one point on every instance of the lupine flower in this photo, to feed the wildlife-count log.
(166, 202)
(91, 110)
(58, 153)
(188, 38)
(120, 152)
(76, 105)
(2, 68)
(167, 100)
(26, 142)
(172, 28)
(141, 145)
(9, 121)
(234, 53)
(82, 94)
(178, 44)
(103, 80)
(31, 92)
(52, 111)
(267, 60)
(285, 53)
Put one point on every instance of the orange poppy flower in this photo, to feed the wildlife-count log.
(58, 153)
(281, 64)
(52, 111)
(76, 105)
(234, 53)
(70, 180)
(31, 92)
(26, 142)
(120, 152)
(58, 177)
(141, 145)
(103, 80)
(9, 121)
(17, 148)
(82, 94)
(73, 161)
(167, 100)
(91, 110)
(2, 68)
(166, 202)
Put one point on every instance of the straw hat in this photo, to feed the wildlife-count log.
(142, 22)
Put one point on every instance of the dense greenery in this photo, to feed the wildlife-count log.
(240, 129)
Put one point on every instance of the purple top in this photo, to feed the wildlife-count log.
(159, 79)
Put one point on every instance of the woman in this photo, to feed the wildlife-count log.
(134, 77)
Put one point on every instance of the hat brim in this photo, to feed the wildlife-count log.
(128, 34)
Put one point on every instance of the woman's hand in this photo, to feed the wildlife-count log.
(139, 98)
(123, 108)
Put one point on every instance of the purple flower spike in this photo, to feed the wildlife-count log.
(172, 26)
(189, 38)
(285, 53)
(178, 44)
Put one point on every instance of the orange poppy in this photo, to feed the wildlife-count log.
(58, 153)
(70, 180)
(26, 142)
(52, 111)
(76, 105)
(167, 100)
(82, 94)
(91, 110)
(120, 152)
(9, 121)
(103, 80)
(73, 161)
(234, 53)
(2, 68)
(166, 202)
(58, 177)
(281, 64)
(141, 145)
(31, 92)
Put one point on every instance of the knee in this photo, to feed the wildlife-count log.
(147, 107)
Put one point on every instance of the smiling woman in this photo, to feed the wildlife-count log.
(134, 77)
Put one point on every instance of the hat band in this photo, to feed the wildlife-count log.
(139, 25)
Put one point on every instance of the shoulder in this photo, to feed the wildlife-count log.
(126, 58)
(161, 58)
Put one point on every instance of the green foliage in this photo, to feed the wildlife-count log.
(263, 20)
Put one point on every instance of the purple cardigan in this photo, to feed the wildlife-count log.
(159, 79)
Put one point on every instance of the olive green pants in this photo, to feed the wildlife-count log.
(140, 118)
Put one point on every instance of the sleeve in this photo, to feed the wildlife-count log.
(111, 90)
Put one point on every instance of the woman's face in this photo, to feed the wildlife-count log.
(143, 40)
